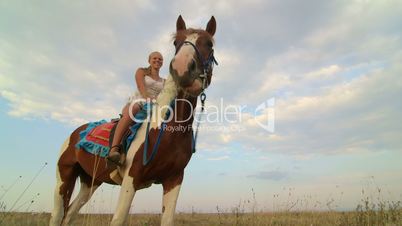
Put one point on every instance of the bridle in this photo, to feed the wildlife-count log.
(207, 64)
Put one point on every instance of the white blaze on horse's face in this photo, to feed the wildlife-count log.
(185, 59)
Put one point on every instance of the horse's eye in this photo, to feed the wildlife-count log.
(210, 44)
(175, 43)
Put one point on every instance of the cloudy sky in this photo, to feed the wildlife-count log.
(332, 68)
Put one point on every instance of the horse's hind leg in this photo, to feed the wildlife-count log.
(63, 191)
(67, 172)
(58, 210)
(65, 181)
(85, 193)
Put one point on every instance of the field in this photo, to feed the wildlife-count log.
(369, 212)
(372, 210)
(358, 218)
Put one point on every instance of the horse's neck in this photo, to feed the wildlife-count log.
(170, 92)
(185, 107)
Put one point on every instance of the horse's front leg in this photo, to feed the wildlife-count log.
(171, 189)
(126, 196)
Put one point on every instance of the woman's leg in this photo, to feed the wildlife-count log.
(122, 126)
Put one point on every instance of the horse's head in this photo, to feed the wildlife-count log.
(192, 65)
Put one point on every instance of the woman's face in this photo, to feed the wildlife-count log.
(156, 60)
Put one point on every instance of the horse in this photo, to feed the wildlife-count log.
(190, 73)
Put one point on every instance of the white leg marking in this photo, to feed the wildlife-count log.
(83, 196)
(126, 196)
(58, 209)
(169, 206)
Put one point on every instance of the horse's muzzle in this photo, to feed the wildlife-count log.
(186, 78)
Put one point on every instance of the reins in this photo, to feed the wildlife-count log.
(203, 96)
(145, 159)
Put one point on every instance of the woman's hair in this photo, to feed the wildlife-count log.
(147, 70)
(154, 52)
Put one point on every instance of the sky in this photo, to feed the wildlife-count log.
(329, 70)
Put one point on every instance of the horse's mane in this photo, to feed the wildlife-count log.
(167, 94)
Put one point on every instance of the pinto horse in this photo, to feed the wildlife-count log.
(190, 73)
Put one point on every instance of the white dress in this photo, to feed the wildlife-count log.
(152, 88)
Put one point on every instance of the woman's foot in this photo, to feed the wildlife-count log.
(114, 157)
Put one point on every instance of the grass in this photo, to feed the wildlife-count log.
(372, 210)
(358, 218)
(369, 212)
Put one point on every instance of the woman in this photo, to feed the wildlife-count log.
(149, 85)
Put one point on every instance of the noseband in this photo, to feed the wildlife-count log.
(207, 64)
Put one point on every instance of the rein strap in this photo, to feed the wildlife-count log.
(145, 159)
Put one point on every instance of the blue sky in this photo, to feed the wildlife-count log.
(333, 68)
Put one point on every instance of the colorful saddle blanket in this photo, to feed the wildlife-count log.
(95, 139)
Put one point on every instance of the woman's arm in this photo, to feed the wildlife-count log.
(140, 81)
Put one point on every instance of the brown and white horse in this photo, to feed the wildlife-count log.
(190, 74)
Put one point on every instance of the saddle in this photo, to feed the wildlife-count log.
(102, 134)
(97, 138)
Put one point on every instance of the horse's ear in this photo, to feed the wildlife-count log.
(211, 26)
(180, 24)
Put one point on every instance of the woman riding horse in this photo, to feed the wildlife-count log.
(149, 85)
(190, 73)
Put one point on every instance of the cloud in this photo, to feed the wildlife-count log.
(323, 73)
(270, 175)
(225, 157)
(81, 71)
(333, 94)
(348, 117)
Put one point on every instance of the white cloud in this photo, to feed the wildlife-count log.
(325, 72)
(324, 123)
(226, 138)
(89, 66)
(78, 72)
(219, 158)
(230, 60)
